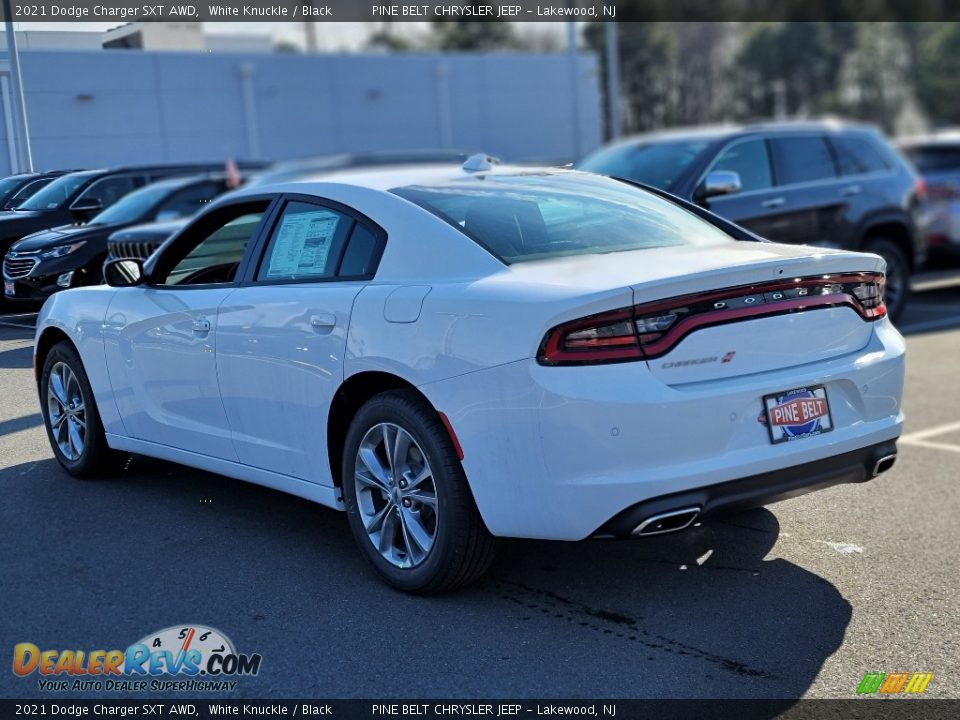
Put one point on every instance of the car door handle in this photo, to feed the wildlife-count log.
(774, 202)
(323, 321)
(201, 327)
(851, 190)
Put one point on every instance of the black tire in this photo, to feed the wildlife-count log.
(898, 275)
(462, 547)
(96, 458)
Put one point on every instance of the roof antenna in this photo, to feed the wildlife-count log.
(479, 162)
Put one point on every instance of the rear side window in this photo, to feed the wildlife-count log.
(362, 254)
(306, 243)
(536, 216)
(857, 156)
(802, 159)
(750, 160)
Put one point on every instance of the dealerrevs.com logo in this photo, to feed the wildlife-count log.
(178, 658)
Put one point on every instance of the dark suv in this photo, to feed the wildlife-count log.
(17, 188)
(72, 255)
(830, 184)
(77, 197)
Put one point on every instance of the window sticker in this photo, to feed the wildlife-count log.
(303, 243)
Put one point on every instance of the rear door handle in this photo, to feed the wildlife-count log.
(323, 321)
(201, 327)
(774, 202)
(851, 190)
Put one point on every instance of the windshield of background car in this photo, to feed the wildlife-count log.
(935, 158)
(9, 184)
(532, 216)
(56, 193)
(658, 164)
(133, 206)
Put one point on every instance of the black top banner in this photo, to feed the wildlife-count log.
(481, 11)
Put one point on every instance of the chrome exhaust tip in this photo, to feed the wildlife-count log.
(883, 464)
(667, 522)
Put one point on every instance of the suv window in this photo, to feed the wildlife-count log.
(305, 244)
(857, 156)
(110, 189)
(802, 159)
(750, 160)
(211, 251)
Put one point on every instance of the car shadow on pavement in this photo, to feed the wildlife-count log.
(701, 614)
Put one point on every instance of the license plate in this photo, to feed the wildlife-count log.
(799, 413)
(8, 288)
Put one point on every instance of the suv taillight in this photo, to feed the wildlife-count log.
(651, 330)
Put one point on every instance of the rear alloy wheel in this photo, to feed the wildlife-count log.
(70, 416)
(898, 275)
(409, 505)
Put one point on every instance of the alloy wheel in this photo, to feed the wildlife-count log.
(66, 411)
(396, 495)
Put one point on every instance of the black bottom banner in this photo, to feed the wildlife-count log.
(886, 709)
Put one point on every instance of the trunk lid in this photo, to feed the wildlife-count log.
(756, 344)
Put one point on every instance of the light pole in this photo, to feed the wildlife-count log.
(613, 79)
(23, 131)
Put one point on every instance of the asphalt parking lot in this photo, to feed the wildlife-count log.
(799, 599)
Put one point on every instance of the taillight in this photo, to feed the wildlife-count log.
(651, 330)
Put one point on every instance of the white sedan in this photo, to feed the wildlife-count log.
(452, 354)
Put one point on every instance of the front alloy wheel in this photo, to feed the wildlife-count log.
(67, 412)
(396, 495)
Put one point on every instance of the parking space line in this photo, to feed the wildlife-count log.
(932, 325)
(931, 432)
(931, 445)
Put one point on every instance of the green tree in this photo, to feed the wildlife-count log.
(938, 74)
(473, 36)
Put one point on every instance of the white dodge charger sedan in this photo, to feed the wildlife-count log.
(451, 354)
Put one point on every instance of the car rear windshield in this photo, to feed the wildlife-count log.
(535, 216)
(659, 164)
(934, 158)
(56, 193)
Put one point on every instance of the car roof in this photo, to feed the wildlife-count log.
(711, 133)
(387, 178)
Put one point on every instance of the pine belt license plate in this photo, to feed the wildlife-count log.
(799, 413)
(8, 288)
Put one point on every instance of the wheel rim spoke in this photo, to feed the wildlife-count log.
(396, 495)
(66, 411)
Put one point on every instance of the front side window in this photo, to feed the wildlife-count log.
(211, 251)
(750, 160)
(802, 159)
(535, 216)
(306, 244)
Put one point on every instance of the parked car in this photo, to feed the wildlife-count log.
(17, 188)
(821, 183)
(43, 263)
(937, 158)
(451, 354)
(142, 240)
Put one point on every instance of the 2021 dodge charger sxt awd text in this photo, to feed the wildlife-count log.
(453, 354)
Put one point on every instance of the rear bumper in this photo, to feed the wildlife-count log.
(555, 453)
(753, 491)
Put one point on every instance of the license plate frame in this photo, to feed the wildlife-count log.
(796, 403)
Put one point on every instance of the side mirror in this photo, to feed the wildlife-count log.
(125, 272)
(85, 208)
(719, 182)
